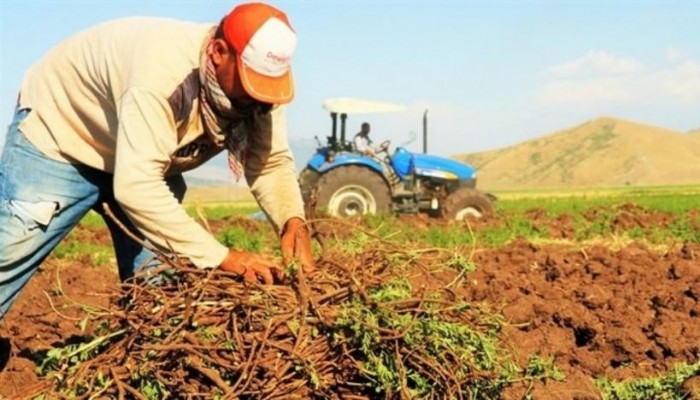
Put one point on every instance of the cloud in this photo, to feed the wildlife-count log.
(600, 79)
(676, 54)
(596, 61)
(584, 91)
(681, 82)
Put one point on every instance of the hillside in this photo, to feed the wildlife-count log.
(215, 172)
(602, 152)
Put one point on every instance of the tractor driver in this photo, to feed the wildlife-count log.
(363, 143)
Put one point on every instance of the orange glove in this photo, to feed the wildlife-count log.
(296, 244)
(252, 267)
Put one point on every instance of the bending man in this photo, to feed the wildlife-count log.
(116, 113)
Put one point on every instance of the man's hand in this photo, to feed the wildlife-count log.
(252, 267)
(296, 244)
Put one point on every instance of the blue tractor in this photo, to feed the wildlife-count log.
(343, 182)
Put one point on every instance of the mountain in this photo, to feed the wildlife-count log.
(215, 172)
(602, 152)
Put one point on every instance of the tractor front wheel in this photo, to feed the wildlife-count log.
(466, 203)
(351, 191)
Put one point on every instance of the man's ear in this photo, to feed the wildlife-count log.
(220, 51)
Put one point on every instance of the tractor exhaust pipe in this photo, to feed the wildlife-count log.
(425, 132)
(334, 130)
(343, 118)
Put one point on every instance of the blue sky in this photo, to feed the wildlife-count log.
(491, 73)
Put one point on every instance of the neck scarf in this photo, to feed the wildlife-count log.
(227, 127)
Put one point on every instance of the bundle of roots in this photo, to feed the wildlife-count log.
(355, 329)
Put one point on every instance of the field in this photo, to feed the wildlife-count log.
(588, 294)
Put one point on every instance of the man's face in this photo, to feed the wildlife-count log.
(365, 129)
(224, 59)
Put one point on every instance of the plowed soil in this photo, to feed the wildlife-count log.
(620, 312)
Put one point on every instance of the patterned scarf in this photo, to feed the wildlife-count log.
(227, 127)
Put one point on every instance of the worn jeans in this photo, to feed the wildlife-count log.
(42, 199)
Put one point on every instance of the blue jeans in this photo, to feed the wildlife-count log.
(42, 199)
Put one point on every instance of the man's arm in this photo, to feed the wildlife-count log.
(146, 138)
(271, 175)
(270, 171)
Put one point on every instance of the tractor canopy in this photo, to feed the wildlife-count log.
(359, 106)
(340, 108)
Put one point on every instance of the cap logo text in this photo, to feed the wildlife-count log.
(277, 59)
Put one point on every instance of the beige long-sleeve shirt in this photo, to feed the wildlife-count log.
(122, 97)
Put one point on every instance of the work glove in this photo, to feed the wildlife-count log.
(296, 244)
(251, 267)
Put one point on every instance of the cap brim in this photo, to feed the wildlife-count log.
(274, 90)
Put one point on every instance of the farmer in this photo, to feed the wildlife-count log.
(116, 113)
(363, 143)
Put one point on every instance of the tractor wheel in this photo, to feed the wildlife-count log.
(466, 203)
(307, 181)
(352, 190)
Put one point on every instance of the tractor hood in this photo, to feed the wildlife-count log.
(438, 167)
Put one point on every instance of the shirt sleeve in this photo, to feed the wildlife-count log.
(146, 138)
(360, 144)
(363, 144)
(270, 171)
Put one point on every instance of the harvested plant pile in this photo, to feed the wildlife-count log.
(357, 328)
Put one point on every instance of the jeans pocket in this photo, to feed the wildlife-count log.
(32, 214)
(21, 230)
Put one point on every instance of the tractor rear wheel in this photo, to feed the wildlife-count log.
(307, 183)
(351, 191)
(466, 203)
(307, 180)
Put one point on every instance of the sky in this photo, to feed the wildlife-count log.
(490, 73)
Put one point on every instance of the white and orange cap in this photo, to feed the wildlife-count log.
(264, 42)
